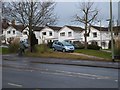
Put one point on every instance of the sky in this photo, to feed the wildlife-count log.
(66, 10)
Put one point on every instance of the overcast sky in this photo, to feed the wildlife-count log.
(65, 11)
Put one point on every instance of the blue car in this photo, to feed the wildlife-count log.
(63, 46)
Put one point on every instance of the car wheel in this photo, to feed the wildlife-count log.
(54, 49)
(63, 50)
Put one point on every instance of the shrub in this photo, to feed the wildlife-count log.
(41, 48)
(94, 47)
(13, 47)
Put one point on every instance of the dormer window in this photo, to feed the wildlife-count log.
(8, 32)
(50, 33)
(14, 32)
(44, 33)
(69, 34)
(25, 33)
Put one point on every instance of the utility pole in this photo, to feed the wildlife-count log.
(111, 29)
(100, 33)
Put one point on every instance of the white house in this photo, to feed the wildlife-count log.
(100, 37)
(70, 33)
(46, 34)
(11, 31)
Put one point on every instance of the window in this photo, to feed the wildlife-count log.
(69, 34)
(95, 34)
(62, 34)
(25, 33)
(50, 33)
(8, 32)
(14, 32)
(44, 33)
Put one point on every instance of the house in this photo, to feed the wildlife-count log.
(99, 36)
(70, 33)
(11, 31)
(46, 34)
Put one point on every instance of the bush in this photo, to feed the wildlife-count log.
(41, 48)
(94, 47)
(13, 47)
(50, 44)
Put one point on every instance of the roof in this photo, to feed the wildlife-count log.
(19, 27)
(75, 28)
(55, 27)
(5, 25)
(102, 28)
(116, 28)
(36, 28)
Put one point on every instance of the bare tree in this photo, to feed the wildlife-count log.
(30, 13)
(87, 15)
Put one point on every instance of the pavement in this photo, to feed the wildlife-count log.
(89, 63)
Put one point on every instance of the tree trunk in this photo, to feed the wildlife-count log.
(85, 36)
(86, 18)
(30, 26)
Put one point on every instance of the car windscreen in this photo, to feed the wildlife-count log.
(66, 44)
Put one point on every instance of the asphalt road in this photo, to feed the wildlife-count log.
(23, 74)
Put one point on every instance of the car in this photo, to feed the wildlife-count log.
(63, 46)
(25, 43)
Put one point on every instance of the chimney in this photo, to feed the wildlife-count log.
(13, 22)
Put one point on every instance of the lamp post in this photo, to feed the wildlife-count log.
(111, 29)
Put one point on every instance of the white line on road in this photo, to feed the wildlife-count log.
(12, 84)
(116, 80)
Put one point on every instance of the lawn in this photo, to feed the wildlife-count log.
(4, 50)
(96, 53)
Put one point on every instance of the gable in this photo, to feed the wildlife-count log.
(65, 29)
(46, 29)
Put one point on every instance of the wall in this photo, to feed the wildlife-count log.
(66, 30)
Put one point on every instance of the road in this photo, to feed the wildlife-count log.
(23, 74)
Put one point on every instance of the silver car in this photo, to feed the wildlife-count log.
(63, 46)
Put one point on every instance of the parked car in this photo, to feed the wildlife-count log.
(63, 46)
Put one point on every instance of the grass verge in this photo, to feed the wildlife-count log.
(62, 56)
(4, 50)
(96, 53)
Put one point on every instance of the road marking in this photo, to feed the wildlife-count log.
(76, 74)
(83, 74)
(12, 84)
(116, 80)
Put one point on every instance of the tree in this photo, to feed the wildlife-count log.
(88, 15)
(30, 13)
